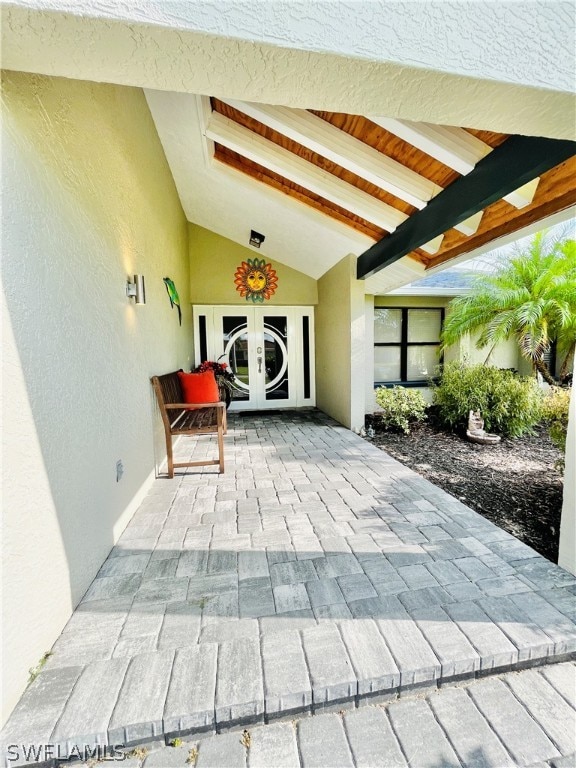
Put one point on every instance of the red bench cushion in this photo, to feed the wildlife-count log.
(199, 387)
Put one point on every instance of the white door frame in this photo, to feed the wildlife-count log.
(214, 347)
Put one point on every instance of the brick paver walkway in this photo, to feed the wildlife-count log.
(316, 574)
(519, 719)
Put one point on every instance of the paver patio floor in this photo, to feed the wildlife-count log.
(525, 718)
(317, 573)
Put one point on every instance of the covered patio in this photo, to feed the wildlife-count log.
(317, 575)
(150, 140)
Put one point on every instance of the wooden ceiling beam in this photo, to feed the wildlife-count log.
(555, 188)
(511, 165)
(298, 194)
(288, 165)
(452, 146)
(359, 158)
(325, 139)
(299, 171)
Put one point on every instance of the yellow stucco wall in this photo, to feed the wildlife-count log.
(333, 343)
(340, 344)
(91, 200)
(214, 260)
(504, 355)
(411, 301)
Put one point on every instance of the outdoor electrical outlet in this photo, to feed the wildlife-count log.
(119, 470)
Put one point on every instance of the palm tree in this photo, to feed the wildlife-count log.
(567, 348)
(532, 299)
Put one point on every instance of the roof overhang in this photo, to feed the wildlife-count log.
(369, 132)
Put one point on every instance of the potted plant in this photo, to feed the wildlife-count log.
(224, 378)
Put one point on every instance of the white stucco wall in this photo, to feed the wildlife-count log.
(506, 66)
(88, 199)
(361, 28)
(567, 550)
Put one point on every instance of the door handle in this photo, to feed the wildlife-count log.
(259, 365)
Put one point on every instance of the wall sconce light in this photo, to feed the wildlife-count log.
(256, 239)
(137, 289)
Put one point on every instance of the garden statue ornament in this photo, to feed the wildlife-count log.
(476, 433)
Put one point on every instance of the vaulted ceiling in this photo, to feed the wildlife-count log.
(374, 173)
(323, 184)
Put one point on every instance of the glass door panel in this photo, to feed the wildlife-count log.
(232, 342)
(235, 339)
(276, 368)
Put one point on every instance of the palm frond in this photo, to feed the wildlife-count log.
(531, 297)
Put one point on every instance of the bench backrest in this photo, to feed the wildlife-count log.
(168, 387)
(169, 390)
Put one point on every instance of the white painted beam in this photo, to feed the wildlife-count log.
(366, 162)
(524, 195)
(454, 147)
(433, 246)
(290, 166)
(401, 272)
(470, 226)
(357, 157)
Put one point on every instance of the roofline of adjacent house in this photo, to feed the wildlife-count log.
(439, 291)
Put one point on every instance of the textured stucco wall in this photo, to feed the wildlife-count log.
(360, 28)
(340, 344)
(88, 199)
(567, 551)
(369, 401)
(504, 355)
(505, 65)
(214, 260)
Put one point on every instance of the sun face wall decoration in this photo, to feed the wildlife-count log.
(255, 280)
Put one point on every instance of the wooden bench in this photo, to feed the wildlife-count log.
(182, 418)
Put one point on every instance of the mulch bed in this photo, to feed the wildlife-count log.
(514, 484)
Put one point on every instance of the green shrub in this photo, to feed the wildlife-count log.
(509, 404)
(400, 408)
(555, 414)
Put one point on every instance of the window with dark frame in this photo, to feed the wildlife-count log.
(406, 343)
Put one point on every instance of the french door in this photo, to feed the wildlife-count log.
(270, 350)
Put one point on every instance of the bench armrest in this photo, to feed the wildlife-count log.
(193, 406)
